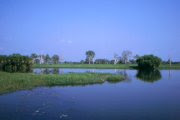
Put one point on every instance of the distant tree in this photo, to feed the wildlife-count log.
(65, 62)
(132, 61)
(41, 58)
(148, 62)
(136, 56)
(126, 55)
(169, 62)
(34, 57)
(36, 61)
(15, 63)
(47, 59)
(82, 62)
(116, 58)
(55, 59)
(102, 61)
(111, 61)
(90, 55)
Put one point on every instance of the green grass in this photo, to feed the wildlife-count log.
(10, 82)
(114, 78)
(101, 66)
(166, 66)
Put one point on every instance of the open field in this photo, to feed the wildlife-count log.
(10, 82)
(101, 66)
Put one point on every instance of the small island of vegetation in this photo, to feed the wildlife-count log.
(10, 82)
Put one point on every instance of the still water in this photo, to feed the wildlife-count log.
(142, 96)
(67, 70)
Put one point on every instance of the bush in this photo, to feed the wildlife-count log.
(148, 62)
(15, 63)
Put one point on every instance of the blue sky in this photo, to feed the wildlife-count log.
(70, 27)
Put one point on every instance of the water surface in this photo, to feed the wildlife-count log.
(74, 70)
(142, 96)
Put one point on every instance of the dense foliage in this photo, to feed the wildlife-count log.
(45, 59)
(148, 62)
(102, 61)
(89, 56)
(15, 63)
(55, 59)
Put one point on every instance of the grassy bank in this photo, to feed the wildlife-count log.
(102, 66)
(10, 82)
(173, 66)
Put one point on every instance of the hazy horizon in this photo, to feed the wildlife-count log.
(70, 28)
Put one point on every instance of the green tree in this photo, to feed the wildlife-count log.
(15, 63)
(90, 55)
(102, 61)
(82, 62)
(47, 59)
(55, 59)
(148, 62)
(136, 56)
(34, 56)
(126, 55)
(116, 58)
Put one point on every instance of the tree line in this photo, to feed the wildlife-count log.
(19, 63)
(146, 62)
(125, 57)
(55, 59)
(45, 59)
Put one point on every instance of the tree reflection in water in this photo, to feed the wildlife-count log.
(149, 75)
(124, 73)
(55, 71)
(50, 71)
(46, 71)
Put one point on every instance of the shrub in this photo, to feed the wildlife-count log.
(148, 62)
(15, 63)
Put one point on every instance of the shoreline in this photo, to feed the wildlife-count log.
(103, 66)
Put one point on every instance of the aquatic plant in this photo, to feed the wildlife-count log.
(10, 82)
